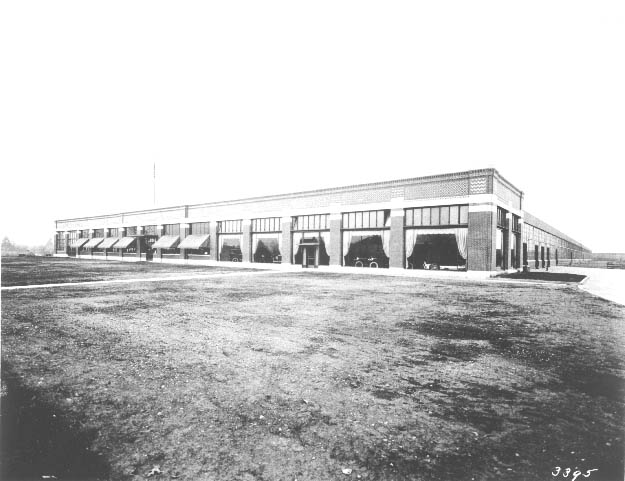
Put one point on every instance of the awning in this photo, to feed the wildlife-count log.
(108, 242)
(194, 241)
(95, 242)
(166, 242)
(78, 243)
(125, 242)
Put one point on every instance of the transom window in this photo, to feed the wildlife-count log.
(98, 232)
(149, 230)
(199, 228)
(131, 230)
(439, 215)
(268, 224)
(230, 226)
(114, 232)
(84, 233)
(171, 229)
(368, 219)
(311, 222)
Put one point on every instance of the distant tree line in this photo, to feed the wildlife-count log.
(8, 248)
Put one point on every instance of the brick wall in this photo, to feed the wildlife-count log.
(507, 195)
(481, 241)
(429, 190)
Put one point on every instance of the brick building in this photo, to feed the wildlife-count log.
(467, 220)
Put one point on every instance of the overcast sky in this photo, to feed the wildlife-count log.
(236, 99)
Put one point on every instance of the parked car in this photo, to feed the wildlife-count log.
(236, 255)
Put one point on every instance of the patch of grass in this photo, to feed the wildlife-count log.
(456, 351)
(544, 276)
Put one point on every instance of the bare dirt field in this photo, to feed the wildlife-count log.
(311, 377)
(50, 270)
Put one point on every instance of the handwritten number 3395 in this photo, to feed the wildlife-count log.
(567, 471)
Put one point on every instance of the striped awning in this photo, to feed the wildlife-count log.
(108, 242)
(166, 242)
(78, 243)
(95, 242)
(125, 242)
(194, 241)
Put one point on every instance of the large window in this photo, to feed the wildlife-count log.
(502, 232)
(83, 234)
(229, 240)
(514, 251)
(436, 237)
(501, 218)
(267, 240)
(310, 222)
(267, 248)
(516, 224)
(97, 234)
(499, 247)
(59, 242)
(197, 243)
(310, 239)
(436, 248)
(438, 215)
(168, 242)
(73, 237)
(366, 237)
(230, 248)
(536, 265)
(130, 231)
(114, 232)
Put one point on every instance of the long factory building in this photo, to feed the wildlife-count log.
(471, 220)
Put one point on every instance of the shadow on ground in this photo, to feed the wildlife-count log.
(39, 440)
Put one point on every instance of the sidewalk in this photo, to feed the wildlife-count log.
(606, 283)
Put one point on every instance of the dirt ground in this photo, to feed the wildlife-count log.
(50, 270)
(299, 376)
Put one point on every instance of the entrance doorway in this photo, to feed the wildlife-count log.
(147, 241)
(525, 255)
(310, 254)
